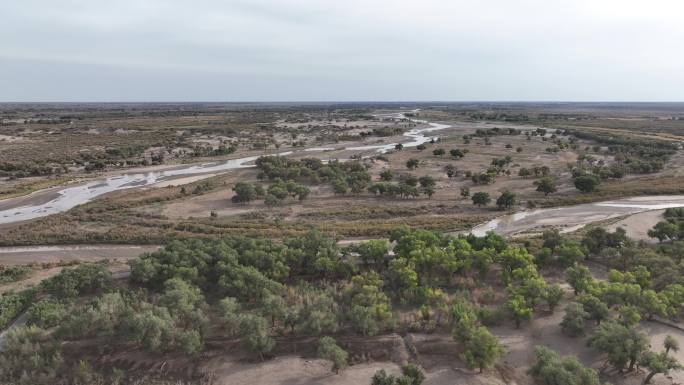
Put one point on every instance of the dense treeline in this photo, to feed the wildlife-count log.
(260, 290)
(343, 177)
(639, 156)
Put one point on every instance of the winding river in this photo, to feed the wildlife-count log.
(52, 201)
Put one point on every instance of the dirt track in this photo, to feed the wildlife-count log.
(42, 254)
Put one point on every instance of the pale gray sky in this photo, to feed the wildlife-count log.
(342, 50)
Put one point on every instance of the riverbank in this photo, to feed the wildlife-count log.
(56, 200)
(571, 218)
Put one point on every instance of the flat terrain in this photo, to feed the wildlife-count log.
(636, 226)
(52, 254)
(633, 149)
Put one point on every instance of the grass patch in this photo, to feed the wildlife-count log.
(29, 187)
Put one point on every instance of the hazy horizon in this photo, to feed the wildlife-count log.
(332, 51)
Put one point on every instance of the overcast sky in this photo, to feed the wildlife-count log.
(342, 50)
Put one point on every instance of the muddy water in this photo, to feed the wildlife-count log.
(52, 201)
(570, 218)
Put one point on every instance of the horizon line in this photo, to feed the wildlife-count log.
(345, 101)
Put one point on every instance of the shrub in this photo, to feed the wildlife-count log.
(46, 313)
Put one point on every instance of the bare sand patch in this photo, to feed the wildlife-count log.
(182, 181)
(289, 370)
(118, 268)
(86, 253)
(636, 226)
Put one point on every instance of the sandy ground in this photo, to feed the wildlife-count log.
(573, 217)
(447, 191)
(43, 254)
(32, 280)
(182, 181)
(438, 357)
(636, 226)
(118, 268)
(289, 370)
(293, 370)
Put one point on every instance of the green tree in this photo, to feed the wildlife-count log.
(587, 183)
(570, 253)
(152, 327)
(255, 335)
(438, 152)
(524, 172)
(553, 295)
(670, 343)
(340, 186)
(573, 321)
(411, 375)
(482, 349)
(46, 313)
(465, 192)
(329, 350)
(664, 230)
(623, 346)
(512, 259)
(550, 369)
(426, 181)
(271, 200)
(402, 273)
(273, 307)
(412, 163)
(518, 309)
(427, 185)
(86, 278)
(653, 304)
(244, 192)
(382, 378)
(230, 311)
(546, 185)
(30, 356)
(596, 308)
(579, 278)
(373, 252)
(319, 314)
(506, 200)
(370, 307)
(481, 198)
(629, 315)
(552, 239)
(658, 363)
(181, 298)
(386, 175)
(246, 282)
